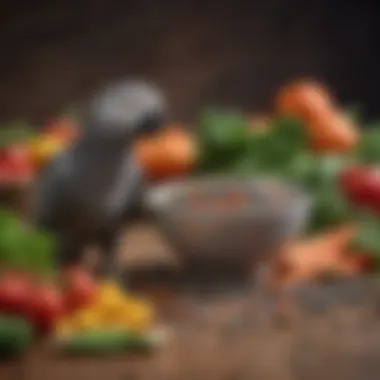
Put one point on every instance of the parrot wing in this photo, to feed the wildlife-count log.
(52, 200)
(125, 197)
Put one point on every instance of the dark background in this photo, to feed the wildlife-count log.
(230, 52)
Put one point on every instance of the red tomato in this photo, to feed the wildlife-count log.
(18, 161)
(64, 128)
(80, 289)
(5, 168)
(361, 185)
(15, 291)
(3, 155)
(351, 183)
(46, 306)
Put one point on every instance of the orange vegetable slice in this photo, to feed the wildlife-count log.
(306, 260)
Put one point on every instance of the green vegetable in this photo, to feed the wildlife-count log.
(222, 137)
(329, 209)
(16, 336)
(15, 132)
(282, 151)
(274, 151)
(40, 252)
(24, 247)
(325, 170)
(367, 237)
(228, 145)
(285, 139)
(367, 151)
(301, 169)
(319, 178)
(106, 343)
(12, 245)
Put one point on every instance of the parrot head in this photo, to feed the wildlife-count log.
(130, 108)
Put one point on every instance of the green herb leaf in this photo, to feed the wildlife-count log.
(24, 247)
(222, 137)
(15, 132)
(367, 238)
(367, 151)
(275, 149)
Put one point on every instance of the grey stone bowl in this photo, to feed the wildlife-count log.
(233, 235)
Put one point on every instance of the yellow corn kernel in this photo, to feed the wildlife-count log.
(110, 317)
(110, 296)
(108, 312)
(86, 319)
(138, 316)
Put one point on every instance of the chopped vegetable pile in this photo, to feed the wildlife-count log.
(311, 141)
(109, 309)
(23, 151)
(113, 321)
(36, 299)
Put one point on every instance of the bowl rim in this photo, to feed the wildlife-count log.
(161, 198)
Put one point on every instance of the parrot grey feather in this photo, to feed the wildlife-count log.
(87, 192)
(51, 192)
(126, 190)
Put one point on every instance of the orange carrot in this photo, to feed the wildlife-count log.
(332, 131)
(307, 259)
(172, 153)
(303, 99)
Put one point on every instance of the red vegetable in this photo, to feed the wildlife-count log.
(351, 182)
(63, 127)
(80, 289)
(361, 186)
(20, 161)
(15, 164)
(15, 293)
(46, 306)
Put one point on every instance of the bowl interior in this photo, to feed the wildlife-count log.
(216, 198)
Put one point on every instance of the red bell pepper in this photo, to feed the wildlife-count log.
(361, 186)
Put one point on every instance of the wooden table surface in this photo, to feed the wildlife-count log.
(327, 333)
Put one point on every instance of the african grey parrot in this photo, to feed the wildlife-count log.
(88, 192)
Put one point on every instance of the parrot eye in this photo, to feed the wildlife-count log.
(151, 123)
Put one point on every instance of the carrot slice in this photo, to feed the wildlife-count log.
(307, 259)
